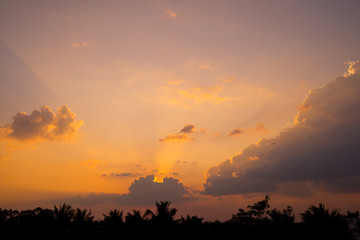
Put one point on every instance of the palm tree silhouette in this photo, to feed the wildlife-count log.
(134, 218)
(63, 214)
(62, 217)
(82, 216)
(114, 222)
(322, 222)
(162, 222)
(164, 214)
(114, 217)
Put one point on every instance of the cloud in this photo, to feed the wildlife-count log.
(189, 128)
(176, 138)
(43, 124)
(320, 150)
(182, 135)
(354, 68)
(93, 163)
(143, 191)
(259, 127)
(201, 95)
(76, 45)
(171, 14)
(236, 131)
(124, 174)
(204, 67)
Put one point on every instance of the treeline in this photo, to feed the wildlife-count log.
(258, 221)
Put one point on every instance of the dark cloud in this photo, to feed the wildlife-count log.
(236, 131)
(188, 129)
(143, 191)
(181, 136)
(43, 124)
(321, 149)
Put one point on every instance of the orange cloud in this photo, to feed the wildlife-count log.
(181, 136)
(170, 13)
(204, 67)
(76, 45)
(175, 138)
(43, 124)
(201, 95)
(259, 127)
(354, 68)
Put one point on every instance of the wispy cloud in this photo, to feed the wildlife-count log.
(237, 131)
(176, 138)
(205, 67)
(170, 13)
(77, 45)
(121, 175)
(181, 136)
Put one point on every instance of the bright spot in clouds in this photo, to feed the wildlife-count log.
(170, 13)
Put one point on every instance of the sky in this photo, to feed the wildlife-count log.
(208, 104)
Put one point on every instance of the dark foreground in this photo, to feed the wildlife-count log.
(258, 221)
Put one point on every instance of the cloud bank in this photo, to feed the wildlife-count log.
(321, 149)
(43, 124)
(143, 191)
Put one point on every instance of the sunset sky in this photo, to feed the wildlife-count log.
(208, 104)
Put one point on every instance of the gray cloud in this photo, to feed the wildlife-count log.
(143, 191)
(321, 150)
(236, 131)
(43, 124)
(124, 174)
(189, 128)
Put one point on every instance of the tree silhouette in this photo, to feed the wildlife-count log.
(257, 222)
(324, 223)
(162, 222)
(62, 218)
(164, 214)
(256, 213)
(114, 217)
(135, 221)
(259, 209)
(191, 227)
(134, 218)
(285, 216)
(63, 214)
(82, 217)
(114, 222)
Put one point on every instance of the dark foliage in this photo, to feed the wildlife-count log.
(258, 221)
